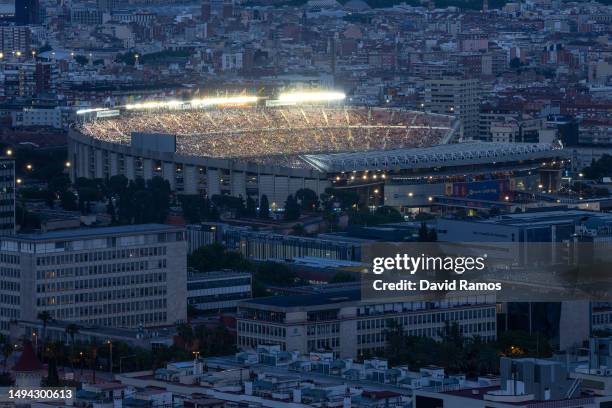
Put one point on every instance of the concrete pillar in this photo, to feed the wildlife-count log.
(114, 164)
(99, 164)
(214, 186)
(295, 184)
(147, 169)
(281, 191)
(169, 173)
(266, 186)
(130, 170)
(190, 180)
(239, 184)
(84, 154)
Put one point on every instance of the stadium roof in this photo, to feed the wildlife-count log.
(449, 155)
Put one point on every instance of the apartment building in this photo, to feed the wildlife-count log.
(15, 39)
(7, 196)
(126, 276)
(456, 96)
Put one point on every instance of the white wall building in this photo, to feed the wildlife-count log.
(127, 276)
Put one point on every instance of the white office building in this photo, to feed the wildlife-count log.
(218, 290)
(338, 321)
(127, 276)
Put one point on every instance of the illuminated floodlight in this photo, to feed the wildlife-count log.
(90, 110)
(194, 103)
(313, 96)
(228, 100)
(153, 105)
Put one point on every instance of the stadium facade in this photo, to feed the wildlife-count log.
(189, 174)
(402, 158)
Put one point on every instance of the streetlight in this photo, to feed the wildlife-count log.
(68, 164)
(81, 354)
(110, 359)
(19, 181)
(29, 167)
(1, 55)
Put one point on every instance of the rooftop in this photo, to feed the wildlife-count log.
(80, 233)
(546, 217)
(28, 361)
(319, 299)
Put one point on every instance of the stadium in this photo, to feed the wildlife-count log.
(277, 150)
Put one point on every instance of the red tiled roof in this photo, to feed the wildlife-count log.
(28, 360)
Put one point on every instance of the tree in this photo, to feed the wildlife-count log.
(216, 257)
(433, 235)
(191, 205)
(251, 208)
(307, 199)
(52, 379)
(45, 317)
(110, 209)
(292, 209)
(600, 168)
(141, 202)
(427, 234)
(7, 350)
(68, 201)
(6, 380)
(298, 229)
(117, 185)
(264, 207)
(234, 205)
(332, 219)
(382, 215)
(72, 330)
(276, 274)
(185, 332)
(94, 358)
(423, 233)
(160, 192)
(345, 199)
(215, 342)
